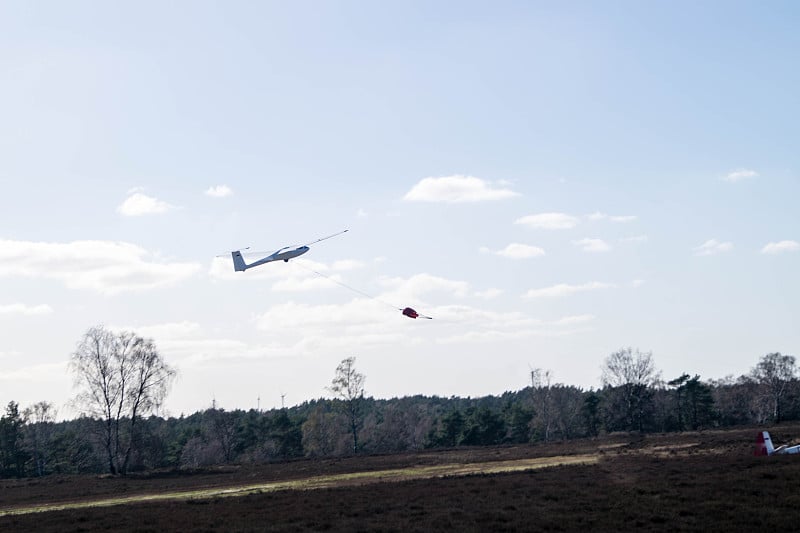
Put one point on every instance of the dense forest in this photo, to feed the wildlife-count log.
(119, 434)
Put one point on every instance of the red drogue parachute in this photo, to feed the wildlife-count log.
(411, 313)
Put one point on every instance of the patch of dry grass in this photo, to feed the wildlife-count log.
(317, 482)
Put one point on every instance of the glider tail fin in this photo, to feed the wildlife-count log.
(238, 261)
(764, 444)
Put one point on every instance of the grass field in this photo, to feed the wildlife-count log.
(679, 482)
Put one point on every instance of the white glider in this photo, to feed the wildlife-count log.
(284, 254)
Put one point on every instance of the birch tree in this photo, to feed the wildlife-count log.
(121, 377)
(542, 402)
(348, 386)
(41, 418)
(775, 373)
(630, 375)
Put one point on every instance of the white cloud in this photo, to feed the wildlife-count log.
(39, 373)
(563, 289)
(457, 189)
(516, 251)
(304, 284)
(419, 285)
(139, 204)
(597, 215)
(312, 276)
(592, 245)
(572, 320)
(713, 247)
(637, 283)
(346, 264)
(361, 213)
(163, 332)
(491, 326)
(740, 174)
(299, 317)
(781, 247)
(189, 352)
(103, 266)
(636, 239)
(369, 307)
(548, 221)
(373, 320)
(489, 293)
(183, 343)
(486, 335)
(343, 339)
(297, 269)
(297, 328)
(219, 191)
(298, 275)
(28, 310)
(222, 268)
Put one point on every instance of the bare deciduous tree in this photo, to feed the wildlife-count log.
(348, 386)
(627, 366)
(630, 375)
(121, 378)
(41, 417)
(556, 407)
(567, 403)
(542, 402)
(775, 372)
(222, 429)
(320, 433)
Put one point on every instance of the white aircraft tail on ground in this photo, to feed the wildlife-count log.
(764, 446)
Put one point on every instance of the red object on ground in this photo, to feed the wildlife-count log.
(761, 446)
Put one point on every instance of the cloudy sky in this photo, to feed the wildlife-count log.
(549, 181)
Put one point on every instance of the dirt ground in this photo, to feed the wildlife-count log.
(677, 482)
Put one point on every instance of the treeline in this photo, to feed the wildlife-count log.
(633, 398)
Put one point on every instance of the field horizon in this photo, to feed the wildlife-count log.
(683, 481)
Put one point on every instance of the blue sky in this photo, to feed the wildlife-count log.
(550, 181)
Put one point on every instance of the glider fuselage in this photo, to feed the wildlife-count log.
(284, 254)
